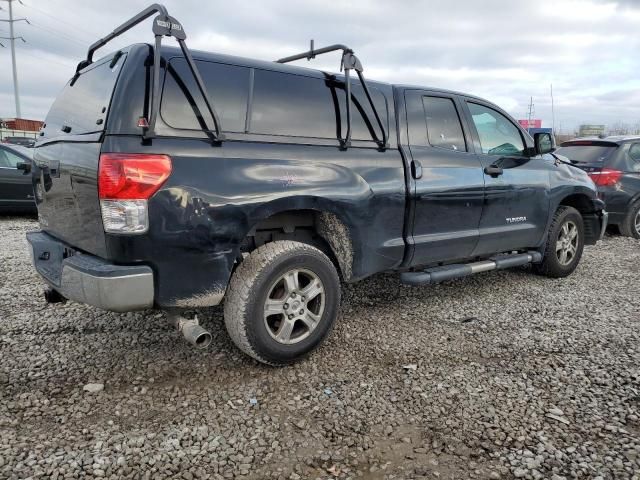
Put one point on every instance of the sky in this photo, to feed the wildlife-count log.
(506, 51)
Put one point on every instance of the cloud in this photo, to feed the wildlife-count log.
(502, 50)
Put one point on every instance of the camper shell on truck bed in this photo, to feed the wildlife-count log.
(173, 179)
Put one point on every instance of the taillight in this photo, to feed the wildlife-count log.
(605, 177)
(125, 183)
(131, 176)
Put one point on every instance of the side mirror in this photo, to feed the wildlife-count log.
(544, 142)
(24, 166)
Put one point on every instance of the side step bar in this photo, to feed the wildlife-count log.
(448, 272)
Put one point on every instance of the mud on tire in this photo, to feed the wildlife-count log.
(282, 302)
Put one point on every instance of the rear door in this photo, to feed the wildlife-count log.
(15, 187)
(66, 158)
(516, 207)
(448, 184)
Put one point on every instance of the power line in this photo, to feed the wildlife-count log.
(43, 58)
(43, 12)
(64, 36)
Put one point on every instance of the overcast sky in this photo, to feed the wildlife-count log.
(503, 50)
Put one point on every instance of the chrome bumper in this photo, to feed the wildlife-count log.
(88, 279)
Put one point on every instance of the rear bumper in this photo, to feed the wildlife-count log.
(88, 279)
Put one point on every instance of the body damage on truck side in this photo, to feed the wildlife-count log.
(201, 217)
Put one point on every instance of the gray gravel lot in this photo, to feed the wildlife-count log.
(515, 376)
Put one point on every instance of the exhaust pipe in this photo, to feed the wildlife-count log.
(191, 330)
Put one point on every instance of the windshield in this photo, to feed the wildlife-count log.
(592, 154)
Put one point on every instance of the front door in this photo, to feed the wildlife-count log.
(516, 205)
(447, 183)
(15, 187)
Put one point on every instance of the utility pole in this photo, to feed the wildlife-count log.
(530, 114)
(12, 38)
(553, 113)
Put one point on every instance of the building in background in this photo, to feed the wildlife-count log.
(19, 127)
(528, 124)
(591, 130)
(534, 126)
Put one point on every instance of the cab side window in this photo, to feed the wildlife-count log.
(444, 129)
(434, 121)
(634, 155)
(498, 135)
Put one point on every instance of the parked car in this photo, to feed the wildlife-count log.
(614, 165)
(16, 188)
(263, 184)
(23, 141)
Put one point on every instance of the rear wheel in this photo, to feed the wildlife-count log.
(565, 243)
(631, 225)
(282, 302)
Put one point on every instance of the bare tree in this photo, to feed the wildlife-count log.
(619, 128)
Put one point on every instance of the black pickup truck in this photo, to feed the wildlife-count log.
(172, 179)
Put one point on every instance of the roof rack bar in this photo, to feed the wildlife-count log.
(163, 26)
(149, 132)
(385, 140)
(349, 62)
(311, 54)
(132, 22)
(203, 89)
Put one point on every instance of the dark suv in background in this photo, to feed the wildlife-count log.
(613, 163)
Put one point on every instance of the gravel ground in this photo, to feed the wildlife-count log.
(515, 376)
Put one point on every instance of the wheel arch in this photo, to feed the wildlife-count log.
(580, 201)
(586, 203)
(316, 222)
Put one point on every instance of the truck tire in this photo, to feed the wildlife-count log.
(630, 227)
(565, 243)
(282, 302)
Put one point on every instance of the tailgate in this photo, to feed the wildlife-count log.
(66, 158)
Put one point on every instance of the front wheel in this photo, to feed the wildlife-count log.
(282, 302)
(565, 243)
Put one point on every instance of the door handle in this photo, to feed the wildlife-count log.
(416, 169)
(493, 170)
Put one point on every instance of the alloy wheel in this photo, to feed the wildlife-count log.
(567, 243)
(294, 306)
